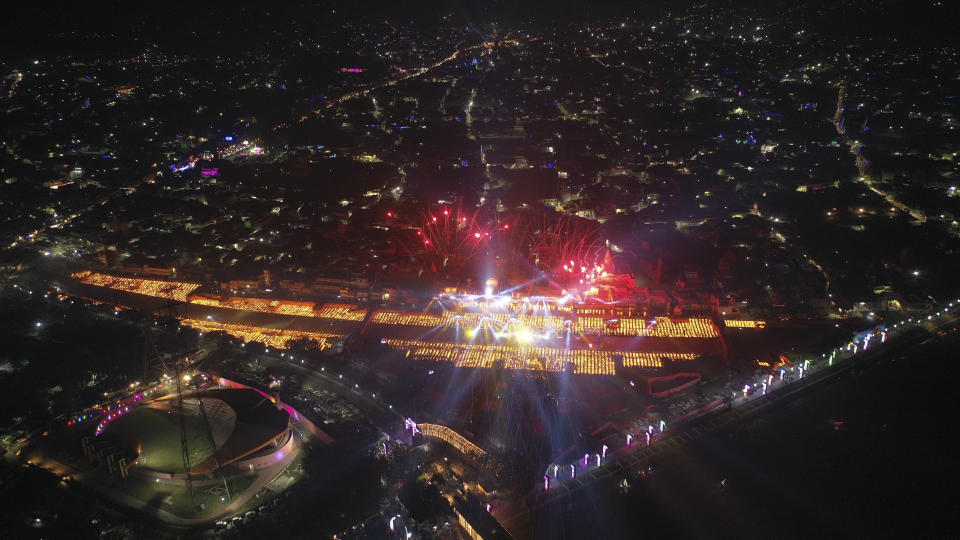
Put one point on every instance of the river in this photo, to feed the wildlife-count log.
(867, 454)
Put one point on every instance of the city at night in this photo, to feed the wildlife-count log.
(494, 270)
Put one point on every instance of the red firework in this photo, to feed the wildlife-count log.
(553, 240)
(451, 237)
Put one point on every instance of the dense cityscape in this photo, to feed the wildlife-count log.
(348, 270)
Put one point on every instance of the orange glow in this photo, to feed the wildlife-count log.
(278, 339)
(625, 326)
(452, 438)
(744, 324)
(173, 290)
(587, 361)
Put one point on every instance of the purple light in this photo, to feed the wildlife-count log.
(586, 458)
(573, 471)
(603, 451)
(210, 172)
(546, 483)
(629, 439)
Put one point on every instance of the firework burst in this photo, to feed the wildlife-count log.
(567, 246)
(453, 237)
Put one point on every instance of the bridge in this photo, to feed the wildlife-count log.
(454, 439)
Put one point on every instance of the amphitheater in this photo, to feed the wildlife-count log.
(243, 425)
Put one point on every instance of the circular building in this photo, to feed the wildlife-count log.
(243, 424)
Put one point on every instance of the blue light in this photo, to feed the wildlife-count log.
(228, 138)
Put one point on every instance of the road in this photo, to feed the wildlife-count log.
(861, 162)
(61, 223)
(410, 74)
(372, 407)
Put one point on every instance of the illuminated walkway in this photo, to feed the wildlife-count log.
(452, 438)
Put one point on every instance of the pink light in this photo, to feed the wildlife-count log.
(546, 483)
(389, 214)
